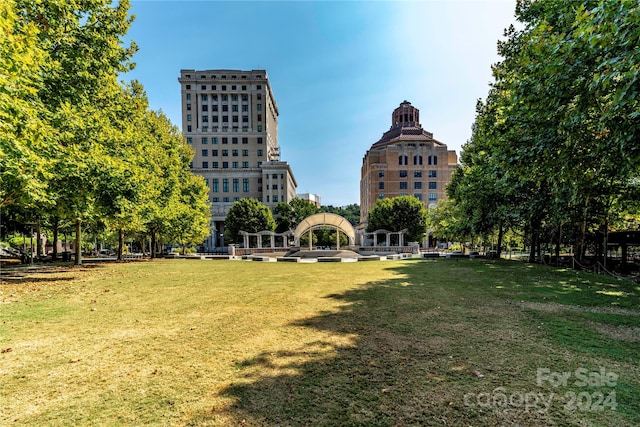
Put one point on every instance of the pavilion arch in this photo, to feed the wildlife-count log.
(325, 220)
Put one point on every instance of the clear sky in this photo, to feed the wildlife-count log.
(338, 69)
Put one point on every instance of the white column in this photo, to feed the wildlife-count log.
(310, 238)
(273, 241)
(337, 238)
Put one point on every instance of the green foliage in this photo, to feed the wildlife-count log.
(350, 212)
(399, 213)
(289, 215)
(554, 144)
(247, 215)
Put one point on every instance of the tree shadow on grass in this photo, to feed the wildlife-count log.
(408, 353)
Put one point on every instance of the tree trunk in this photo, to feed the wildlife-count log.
(78, 260)
(120, 243)
(534, 243)
(558, 242)
(500, 237)
(54, 254)
(153, 243)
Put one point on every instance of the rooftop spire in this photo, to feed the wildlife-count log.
(405, 115)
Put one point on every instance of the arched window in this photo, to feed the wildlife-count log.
(417, 160)
(433, 160)
(403, 160)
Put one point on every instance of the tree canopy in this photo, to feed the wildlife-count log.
(399, 213)
(554, 145)
(76, 144)
(248, 215)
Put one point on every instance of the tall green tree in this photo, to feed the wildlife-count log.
(289, 215)
(399, 213)
(25, 143)
(247, 215)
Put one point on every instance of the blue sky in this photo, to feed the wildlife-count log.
(337, 69)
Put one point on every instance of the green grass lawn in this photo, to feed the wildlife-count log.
(440, 342)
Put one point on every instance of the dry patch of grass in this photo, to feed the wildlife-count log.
(179, 342)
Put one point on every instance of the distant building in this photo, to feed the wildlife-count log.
(311, 198)
(407, 160)
(230, 119)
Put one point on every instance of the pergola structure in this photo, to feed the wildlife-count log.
(247, 238)
(368, 235)
(324, 220)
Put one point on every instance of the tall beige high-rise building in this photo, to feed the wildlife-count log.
(230, 119)
(405, 161)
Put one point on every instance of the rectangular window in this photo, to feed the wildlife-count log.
(225, 153)
(234, 97)
(234, 153)
(380, 174)
(259, 153)
(381, 185)
(234, 140)
(245, 185)
(189, 128)
(188, 107)
(403, 174)
(417, 174)
(225, 108)
(214, 108)
(214, 152)
(189, 140)
(234, 165)
(215, 199)
(245, 140)
(275, 199)
(245, 165)
(245, 119)
(259, 117)
(236, 185)
(225, 119)
(215, 165)
(245, 108)
(417, 185)
(225, 165)
(215, 185)
(214, 140)
(188, 95)
(234, 119)
(245, 153)
(205, 128)
(205, 153)
(204, 140)
(205, 107)
(225, 200)
(259, 140)
(259, 128)
(433, 196)
(215, 119)
(225, 185)
(433, 185)
(234, 108)
(188, 117)
(205, 165)
(403, 185)
(203, 87)
(418, 196)
(205, 119)
(433, 174)
(225, 140)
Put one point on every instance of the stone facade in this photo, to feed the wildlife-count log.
(407, 160)
(230, 120)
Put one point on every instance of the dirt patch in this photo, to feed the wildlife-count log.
(552, 307)
(618, 332)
